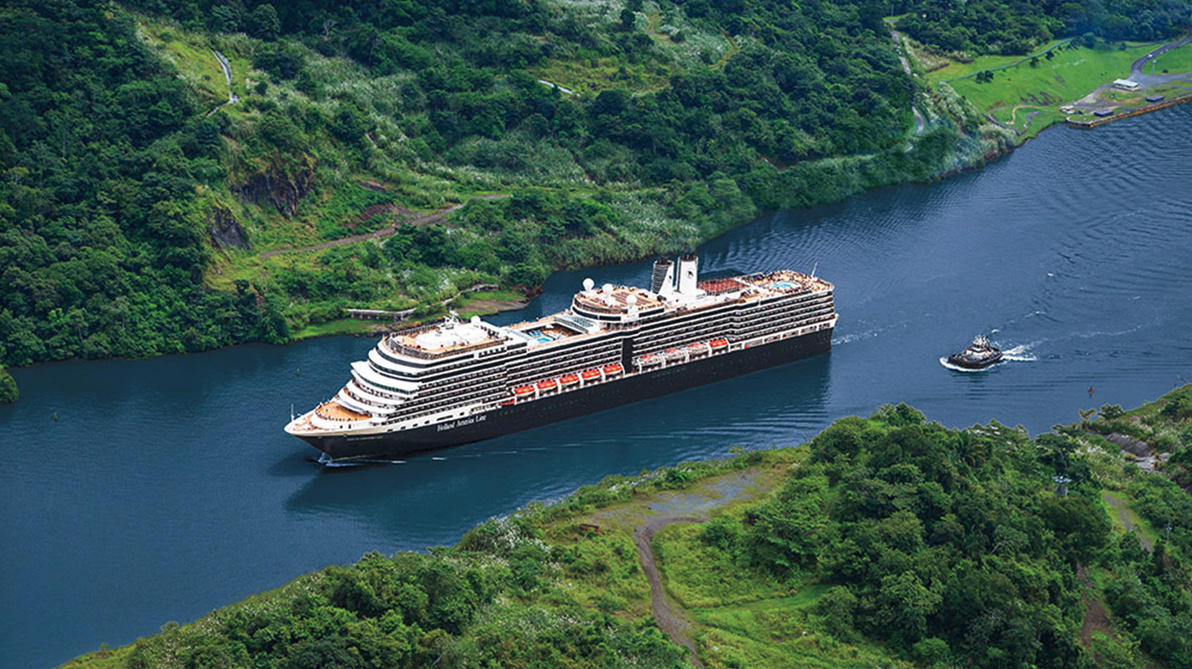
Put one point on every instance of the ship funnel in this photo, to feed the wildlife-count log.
(688, 275)
(664, 276)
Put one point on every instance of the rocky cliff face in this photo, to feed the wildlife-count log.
(225, 230)
(284, 188)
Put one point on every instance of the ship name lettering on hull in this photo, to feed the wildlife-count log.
(443, 427)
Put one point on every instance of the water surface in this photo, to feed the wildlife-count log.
(166, 488)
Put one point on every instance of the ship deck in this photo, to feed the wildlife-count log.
(619, 298)
(332, 410)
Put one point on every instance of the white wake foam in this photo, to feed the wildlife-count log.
(1020, 353)
(957, 368)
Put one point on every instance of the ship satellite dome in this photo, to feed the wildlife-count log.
(475, 320)
(607, 288)
(632, 299)
(589, 284)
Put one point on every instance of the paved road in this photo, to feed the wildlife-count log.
(552, 84)
(226, 66)
(1144, 79)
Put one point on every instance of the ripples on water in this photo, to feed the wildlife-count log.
(166, 488)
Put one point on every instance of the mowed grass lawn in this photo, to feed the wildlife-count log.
(957, 69)
(1070, 75)
(1176, 60)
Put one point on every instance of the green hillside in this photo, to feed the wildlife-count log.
(884, 542)
(145, 213)
(181, 175)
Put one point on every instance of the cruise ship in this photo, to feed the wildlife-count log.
(453, 382)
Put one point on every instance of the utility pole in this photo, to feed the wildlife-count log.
(1061, 485)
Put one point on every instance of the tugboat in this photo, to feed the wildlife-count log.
(979, 355)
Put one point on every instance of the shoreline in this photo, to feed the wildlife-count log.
(1000, 151)
(1162, 104)
(341, 326)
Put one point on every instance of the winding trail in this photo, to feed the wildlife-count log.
(906, 67)
(695, 504)
(424, 219)
(666, 619)
(1125, 515)
(1015, 108)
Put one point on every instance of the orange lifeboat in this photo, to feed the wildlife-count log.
(507, 403)
(591, 374)
(719, 343)
(523, 390)
(569, 379)
(613, 369)
(547, 384)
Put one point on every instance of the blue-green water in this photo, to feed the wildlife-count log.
(166, 488)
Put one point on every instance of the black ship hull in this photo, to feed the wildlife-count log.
(961, 361)
(571, 404)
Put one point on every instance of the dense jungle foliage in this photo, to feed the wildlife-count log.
(8, 388)
(1001, 27)
(133, 203)
(102, 248)
(887, 540)
(139, 208)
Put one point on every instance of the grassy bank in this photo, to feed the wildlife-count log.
(1176, 60)
(884, 542)
(1025, 93)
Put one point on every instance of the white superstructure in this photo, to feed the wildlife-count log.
(454, 371)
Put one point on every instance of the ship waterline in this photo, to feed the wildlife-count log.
(453, 383)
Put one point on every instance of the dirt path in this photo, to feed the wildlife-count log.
(1015, 108)
(1096, 619)
(906, 67)
(693, 505)
(371, 212)
(672, 625)
(1124, 514)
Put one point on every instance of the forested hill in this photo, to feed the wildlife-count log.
(998, 26)
(149, 204)
(137, 205)
(884, 542)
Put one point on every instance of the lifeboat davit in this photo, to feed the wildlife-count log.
(547, 384)
(591, 374)
(613, 369)
(569, 379)
(523, 390)
(718, 344)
